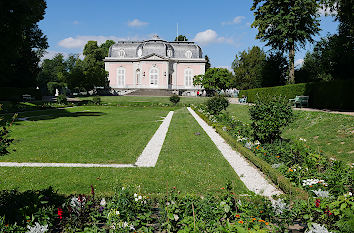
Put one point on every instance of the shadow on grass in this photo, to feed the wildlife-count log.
(55, 113)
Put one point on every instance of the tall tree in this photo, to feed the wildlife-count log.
(274, 71)
(22, 42)
(181, 38)
(106, 45)
(248, 67)
(286, 25)
(207, 64)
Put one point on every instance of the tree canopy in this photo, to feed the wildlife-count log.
(248, 67)
(181, 38)
(207, 64)
(215, 79)
(22, 42)
(286, 25)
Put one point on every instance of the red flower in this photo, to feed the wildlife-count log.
(60, 213)
(317, 202)
(222, 188)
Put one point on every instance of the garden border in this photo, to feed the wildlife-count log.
(282, 182)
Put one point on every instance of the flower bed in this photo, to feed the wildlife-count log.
(298, 170)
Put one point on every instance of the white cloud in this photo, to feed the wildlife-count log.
(137, 23)
(50, 54)
(210, 36)
(236, 20)
(80, 41)
(299, 63)
(76, 22)
(324, 11)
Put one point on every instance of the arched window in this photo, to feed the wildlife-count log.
(121, 53)
(138, 77)
(154, 77)
(188, 54)
(188, 77)
(120, 77)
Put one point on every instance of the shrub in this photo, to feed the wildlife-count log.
(61, 99)
(175, 99)
(96, 100)
(216, 104)
(269, 116)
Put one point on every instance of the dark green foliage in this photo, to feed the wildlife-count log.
(337, 94)
(215, 79)
(207, 64)
(5, 141)
(216, 104)
(269, 117)
(248, 66)
(181, 38)
(175, 99)
(22, 42)
(61, 99)
(96, 100)
(286, 25)
(274, 71)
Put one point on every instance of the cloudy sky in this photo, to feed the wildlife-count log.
(221, 28)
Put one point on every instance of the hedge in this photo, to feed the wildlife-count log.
(15, 94)
(277, 178)
(338, 94)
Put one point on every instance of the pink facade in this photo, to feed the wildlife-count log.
(154, 64)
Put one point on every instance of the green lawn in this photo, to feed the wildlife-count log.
(189, 161)
(146, 99)
(86, 134)
(329, 132)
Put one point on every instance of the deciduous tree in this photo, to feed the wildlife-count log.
(214, 79)
(286, 25)
(181, 38)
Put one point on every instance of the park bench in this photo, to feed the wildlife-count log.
(300, 100)
(27, 97)
(243, 100)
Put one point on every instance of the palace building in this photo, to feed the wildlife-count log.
(155, 64)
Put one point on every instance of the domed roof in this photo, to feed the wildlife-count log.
(136, 49)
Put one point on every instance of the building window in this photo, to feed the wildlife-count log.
(188, 54)
(120, 77)
(121, 53)
(188, 77)
(154, 77)
(169, 53)
(138, 78)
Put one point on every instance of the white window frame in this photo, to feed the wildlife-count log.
(120, 77)
(138, 77)
(188, 77)
(121, 53)
(155, 74)
(188, 54)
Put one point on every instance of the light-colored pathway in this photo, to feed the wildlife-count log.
(148, 157)
(150, 154)
(249, 175)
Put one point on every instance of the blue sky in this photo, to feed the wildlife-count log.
(221, 28)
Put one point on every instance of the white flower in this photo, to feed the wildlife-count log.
(321, 193)
(279, 206)
(123, 188)
(131, 227)
(37, 228)
(125, 224)
(136, 199)
(140, 197)
(135, 195)
(103, 202)
(175, 216)
(302, 139)
(276, 165)
(310, 182)
(117, 212)
(317, 228)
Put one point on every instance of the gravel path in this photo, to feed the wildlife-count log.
(249, 175)
(150, 154)
(148, 157)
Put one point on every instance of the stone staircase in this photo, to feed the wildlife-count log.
(150, 92)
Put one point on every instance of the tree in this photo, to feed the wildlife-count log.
(214, 79)
(274, 71)
(286, 25)
(22, 42)
(207, 64)
(181, 38)
(248, 67)
(105, 46)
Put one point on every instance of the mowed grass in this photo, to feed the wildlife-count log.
(147, 100)
(189, 161)
(328, 132)
(86, 134)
